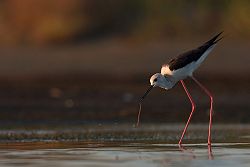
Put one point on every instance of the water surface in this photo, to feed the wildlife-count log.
(123, 145)
(129, 154)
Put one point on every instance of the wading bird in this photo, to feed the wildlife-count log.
(179, 69)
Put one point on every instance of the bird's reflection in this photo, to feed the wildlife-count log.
(190, 151)
(186, 150)
(210, 152)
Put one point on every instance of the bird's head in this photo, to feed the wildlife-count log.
(156, 79)
(162, 81)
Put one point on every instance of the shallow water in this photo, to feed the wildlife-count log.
(130, 154)
(123, 145)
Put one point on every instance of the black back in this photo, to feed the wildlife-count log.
(192, 55)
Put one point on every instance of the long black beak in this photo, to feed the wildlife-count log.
(146, 93)
(140, 103)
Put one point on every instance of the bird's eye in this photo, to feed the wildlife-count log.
(155, 80)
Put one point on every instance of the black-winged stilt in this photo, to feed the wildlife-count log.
(180, 68)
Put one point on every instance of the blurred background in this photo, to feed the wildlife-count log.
(68, 62)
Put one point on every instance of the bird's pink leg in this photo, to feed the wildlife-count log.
(190, 116)
(210, 111)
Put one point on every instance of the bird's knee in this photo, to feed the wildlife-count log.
(211, 99)
(193, 106)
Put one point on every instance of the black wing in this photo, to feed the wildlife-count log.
(192, 55)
